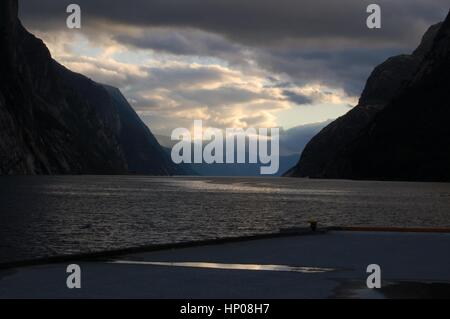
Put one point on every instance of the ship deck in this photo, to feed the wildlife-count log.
(329, 264)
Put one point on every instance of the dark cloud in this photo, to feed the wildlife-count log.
(308, 40)
(348, 69)
(297, 98)
(254, 21)
(181, 42)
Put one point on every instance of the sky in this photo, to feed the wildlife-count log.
(231, 63)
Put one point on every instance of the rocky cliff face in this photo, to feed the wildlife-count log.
(339, 150)
(410, 138)
(139, 146)
(54, 121)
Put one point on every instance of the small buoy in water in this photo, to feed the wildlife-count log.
(313, 225)
(86, 226)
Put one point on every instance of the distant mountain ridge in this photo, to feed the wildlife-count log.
(399, 130)
(55, 121)
(292, 142)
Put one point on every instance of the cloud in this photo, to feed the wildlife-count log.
(187, 75)
(297, 98)
(307, 40)
(224, 96)
(230, 62)
(180, 42)
(254, 21)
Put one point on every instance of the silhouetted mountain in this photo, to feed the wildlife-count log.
(410, 138)
(54, 121)
(141, 150)
(399, 130)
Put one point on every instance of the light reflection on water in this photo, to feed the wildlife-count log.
(52, 215)
(208, 186)
(206, 265)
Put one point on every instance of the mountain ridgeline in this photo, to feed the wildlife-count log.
(54, 121)
(400, 129)
(292, 142)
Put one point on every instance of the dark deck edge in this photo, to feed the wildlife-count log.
(108, 254)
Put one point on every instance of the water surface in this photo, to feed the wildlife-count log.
(54, 215)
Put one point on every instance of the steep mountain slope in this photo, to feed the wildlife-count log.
(323, 157)
(54, 121)
(138, 143)
(410, 138)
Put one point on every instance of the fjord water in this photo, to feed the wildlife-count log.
(56, 215)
